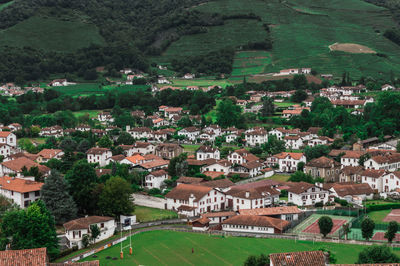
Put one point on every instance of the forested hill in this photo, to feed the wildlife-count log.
(40, 38)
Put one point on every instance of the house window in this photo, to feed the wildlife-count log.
(26, 203)
(102, 225)
(26, 195)
(37, 193)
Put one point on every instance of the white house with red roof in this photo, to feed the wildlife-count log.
(207, 152)
(9, 138)
(5, 150)
(293, 142)
(192, 200)
(156, 179)
(306, 194)
(76, 229)
(101, 156)
(241, 156)
(20, 191)
(16, 166)
(286, 161)
(256, 137)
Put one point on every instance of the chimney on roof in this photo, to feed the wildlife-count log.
(128, 128)
(101, 170)
(247, 194)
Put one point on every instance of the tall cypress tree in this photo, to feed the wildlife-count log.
(58, 201)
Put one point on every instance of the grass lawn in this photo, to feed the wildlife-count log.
(65, 35)
(84, 89)
(146, 214)
(37, 140)
(200, 82)
(284, 104)
(279, 177)
(190, 148)
(92, 113)
(175, 248)
(378, 216)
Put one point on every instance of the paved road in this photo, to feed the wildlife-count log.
(149, 201)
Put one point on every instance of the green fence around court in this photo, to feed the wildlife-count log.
(340, 212)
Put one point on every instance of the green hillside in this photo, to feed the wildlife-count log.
(302, 32)
(51, 34)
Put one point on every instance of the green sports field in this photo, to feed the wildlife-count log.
(175, 248)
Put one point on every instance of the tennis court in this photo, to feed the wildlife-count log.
(394, 215)
(310, 225)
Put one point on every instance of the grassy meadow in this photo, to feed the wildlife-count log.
(84, 89)
(58, 35)
(303, 30)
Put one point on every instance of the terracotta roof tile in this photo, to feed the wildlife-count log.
(254, 220)
(270, 211)
(84, 223)
(304, 258)
(24, 257)
(183, 192)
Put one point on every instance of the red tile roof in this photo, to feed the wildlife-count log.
(254, 220)
(294, 155)
(19, 163)
(304, 258)
(24, 257)
(84, 223)
(270, 211)
(183, 192)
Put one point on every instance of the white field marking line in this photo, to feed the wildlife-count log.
(215, 255)
(145, 249)
(188, 262)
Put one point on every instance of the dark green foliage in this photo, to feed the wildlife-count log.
(274, 145)
(300, 176)
(116, 198)
(299, 96)
(125, 138)
(33, 227)
(54, 194)
(325, 225)
(260, 260)
(268, 107)
(367, 228)
(105, 142)
(316, 151)
(377, 254)
(81, 181)
(390, 234)
(219, 62)
(228, 114)
(178, 165)
(94, 232)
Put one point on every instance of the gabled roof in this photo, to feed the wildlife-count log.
(373, 173)
(158, 173)
(97, 151)
(254, 220)
(49, 153)
(352, 170)
(299, 187)
(219, 183)
(206, 149)
(19, 185)
(271, 211)
(35, 256)
(19, 163)
(5, 134)
(189, 180)
(84, 223)
(352, 189)
(155, 163)
(323, 162)
(184, 191)
(294, 155)
(303, 258)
